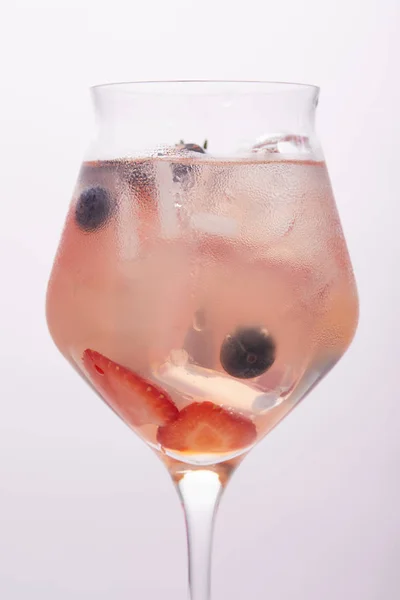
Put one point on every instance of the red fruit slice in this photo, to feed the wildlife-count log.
(206, 427)
(135, 399)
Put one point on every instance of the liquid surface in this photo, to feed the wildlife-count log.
(202, 299)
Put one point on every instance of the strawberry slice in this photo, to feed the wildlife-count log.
(135, 399)
(206, 427)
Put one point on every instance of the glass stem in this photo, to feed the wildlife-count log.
(200, 492)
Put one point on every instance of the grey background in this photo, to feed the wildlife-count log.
(86, 510)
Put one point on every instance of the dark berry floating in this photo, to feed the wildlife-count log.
(248, 352)
(194, 148)
(93, 209)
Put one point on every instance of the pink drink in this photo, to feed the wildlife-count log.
(183, 285)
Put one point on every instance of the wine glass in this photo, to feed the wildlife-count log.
(202, 285)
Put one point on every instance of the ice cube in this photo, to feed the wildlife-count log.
(206, 384)
(280, 383)
(282, 144)
(266, 401)
(263, 196)
(167, 200)
(128, 238)
(215, 224)
(179, 358)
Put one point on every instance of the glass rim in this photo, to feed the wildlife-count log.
(257, 86)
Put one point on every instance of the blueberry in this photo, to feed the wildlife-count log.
(93, 209)
(248, 352)
(194, 148)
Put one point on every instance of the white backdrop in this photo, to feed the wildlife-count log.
(86, 510)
